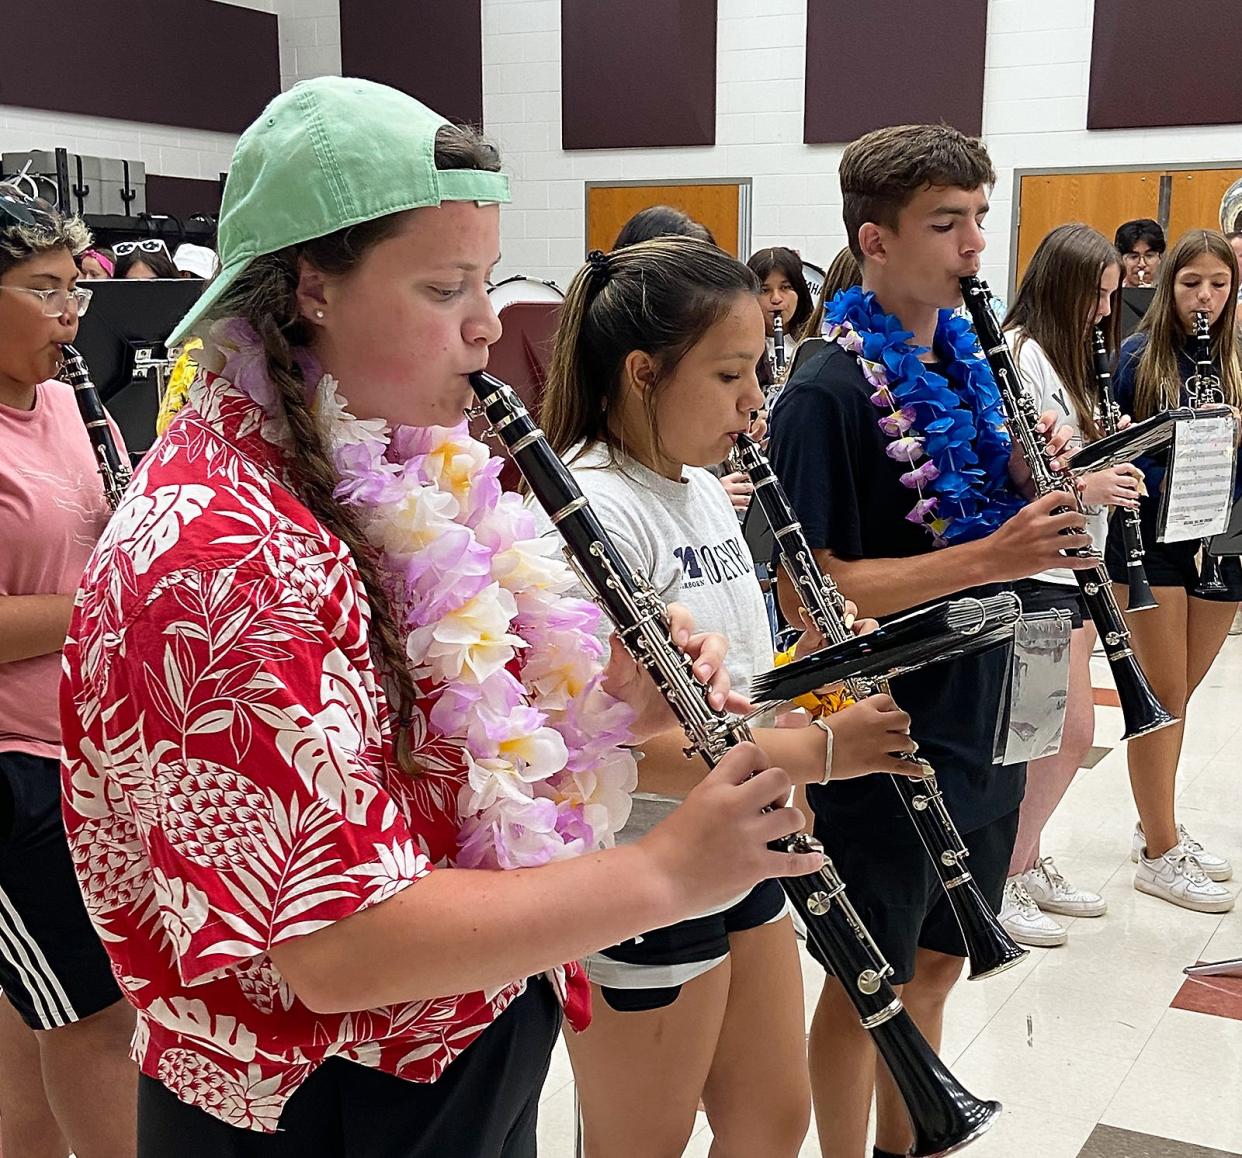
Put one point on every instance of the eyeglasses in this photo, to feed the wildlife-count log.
(56, 301)
(1147, 258)
(147, 245)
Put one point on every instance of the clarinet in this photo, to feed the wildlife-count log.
(1141, 710)
(113, 470)
(990, 949)
(778, 346)
(1204, 388)
(944, 1114)
(1141, 598)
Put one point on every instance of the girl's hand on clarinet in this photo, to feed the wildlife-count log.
(1055, 439)
(866, 737)
(714, 846)
(1119, 486)
(739, 488)
(626, 680)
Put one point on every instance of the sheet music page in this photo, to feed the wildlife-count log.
(1198, 491)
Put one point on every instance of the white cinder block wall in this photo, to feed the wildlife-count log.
(1035, 107)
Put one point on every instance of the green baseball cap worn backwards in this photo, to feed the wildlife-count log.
(329, 153)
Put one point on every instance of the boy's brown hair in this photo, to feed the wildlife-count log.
(882, 171)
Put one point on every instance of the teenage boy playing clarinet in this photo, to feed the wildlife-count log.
(901, 516)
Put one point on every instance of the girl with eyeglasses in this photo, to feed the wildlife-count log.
(63, 1011)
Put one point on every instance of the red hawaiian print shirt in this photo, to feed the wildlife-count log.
(228, 777)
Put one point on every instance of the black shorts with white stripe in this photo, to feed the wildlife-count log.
(53, 968)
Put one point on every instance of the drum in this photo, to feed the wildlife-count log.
(529, 309)
(814, 278)
(520, 288)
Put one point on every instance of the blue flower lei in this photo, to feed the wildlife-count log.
(948, 432)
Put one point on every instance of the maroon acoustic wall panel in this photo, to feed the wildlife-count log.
(195, 64)
(638, 73)
(1154, 63)
(182, 197)
(893, 62)
(432, 49)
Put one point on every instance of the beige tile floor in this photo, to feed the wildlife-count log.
(1084, 1034)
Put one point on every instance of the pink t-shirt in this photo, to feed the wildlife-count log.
(52, 510)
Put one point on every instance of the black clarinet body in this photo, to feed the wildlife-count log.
(1140, 597)
(113, 470)
(1140, 708)
(990, 949)
(944, 1114)
(778, 346)
(1204, 388)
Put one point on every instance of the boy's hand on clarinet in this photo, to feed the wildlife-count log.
(1032, 541)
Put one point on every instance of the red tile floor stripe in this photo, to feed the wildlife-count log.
(1219, 996)
(1106, 697)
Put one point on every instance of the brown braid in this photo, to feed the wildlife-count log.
(265, 295)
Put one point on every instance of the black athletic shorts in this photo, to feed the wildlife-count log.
(53, 969)
(1165, 564)
(1040, 595)
(648, 972)
(892, 882)
(485, 1103)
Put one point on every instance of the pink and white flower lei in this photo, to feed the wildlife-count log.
(480, 597)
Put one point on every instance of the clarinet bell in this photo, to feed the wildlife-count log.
(1140, 597)
(1141, 710)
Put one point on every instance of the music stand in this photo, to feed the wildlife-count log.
(121, 337)
(1133, 305)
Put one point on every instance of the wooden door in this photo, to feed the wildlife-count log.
(1195, 199)
(718, 206)
(1101, 200)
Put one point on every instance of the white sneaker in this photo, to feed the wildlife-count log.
(1216, 867)
(1054, 894)
(1177, 878)
(1023, 921)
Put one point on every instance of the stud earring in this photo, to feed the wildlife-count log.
(319, 314)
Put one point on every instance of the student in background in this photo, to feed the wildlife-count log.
(1066, 291)
(785, 292)
(145, 259)
(53, 969)
(842, 273)
(1141, 244)
(97, 262)
(661, 221)
(1178, 640)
